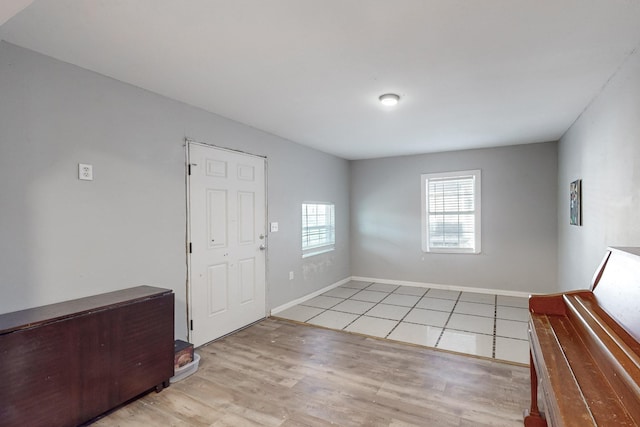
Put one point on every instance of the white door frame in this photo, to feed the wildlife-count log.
(189, 142)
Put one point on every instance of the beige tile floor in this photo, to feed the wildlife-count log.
(486, 325)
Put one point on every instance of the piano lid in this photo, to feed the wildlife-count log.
(617, 288)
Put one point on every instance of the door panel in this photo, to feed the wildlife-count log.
(247, 280)
(217, 218)
(246, 173)
(217, 168)
(218, 288)
(226, 230)
(246, 223)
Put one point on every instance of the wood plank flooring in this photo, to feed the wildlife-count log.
(279, 373)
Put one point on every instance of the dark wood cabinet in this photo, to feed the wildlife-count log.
(65, 364)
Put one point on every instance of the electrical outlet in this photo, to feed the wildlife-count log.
(85, 172)
(291, 275)
(274, 227)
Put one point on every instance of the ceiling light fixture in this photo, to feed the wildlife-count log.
(389, 99)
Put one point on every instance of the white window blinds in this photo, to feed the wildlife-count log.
(451, 212)
(318, 228)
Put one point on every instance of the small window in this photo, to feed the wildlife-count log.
(451, 212)
(318, 228)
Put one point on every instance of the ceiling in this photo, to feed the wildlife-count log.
(470, 73)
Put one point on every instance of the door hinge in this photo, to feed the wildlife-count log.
(190, 248)
(189, 173)
(191, 325)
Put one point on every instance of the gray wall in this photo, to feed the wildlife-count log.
(603, 149)
(61, 238)
(519, 203)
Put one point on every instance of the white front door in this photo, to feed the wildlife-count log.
(227, 241)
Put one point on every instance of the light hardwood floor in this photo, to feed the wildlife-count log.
(280, 373)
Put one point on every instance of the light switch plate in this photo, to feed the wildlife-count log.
(274, 227)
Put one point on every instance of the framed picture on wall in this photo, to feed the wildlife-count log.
(575, 208)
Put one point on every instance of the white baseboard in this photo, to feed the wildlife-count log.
(446, 287)
(300, 300)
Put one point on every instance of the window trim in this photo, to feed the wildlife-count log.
(477, 190)
(327, 247)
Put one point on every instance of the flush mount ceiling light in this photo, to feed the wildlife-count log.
(389, 99)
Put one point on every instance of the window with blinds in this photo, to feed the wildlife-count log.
(318, 228)
(451, 212)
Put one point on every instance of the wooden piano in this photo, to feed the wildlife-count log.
(585, 350)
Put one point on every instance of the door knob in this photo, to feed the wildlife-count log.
(263, 247)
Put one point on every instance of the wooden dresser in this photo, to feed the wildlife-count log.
(65, 364)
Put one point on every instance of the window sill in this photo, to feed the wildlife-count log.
(318, 251)
(452, 251)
